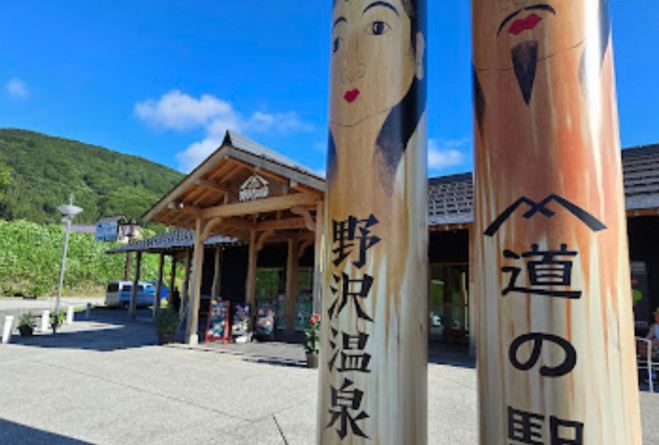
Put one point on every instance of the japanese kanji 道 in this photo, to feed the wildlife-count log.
(556, 363)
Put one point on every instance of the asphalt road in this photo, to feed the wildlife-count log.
(105, 382)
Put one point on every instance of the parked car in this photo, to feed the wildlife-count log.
(118, 294)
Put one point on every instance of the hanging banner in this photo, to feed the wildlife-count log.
(373, 362)
(556, 360)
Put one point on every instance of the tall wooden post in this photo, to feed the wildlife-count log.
(373, 372)
(291, 283)
(157, 297)
(215, 289)
(319, 235)
(250, 284)
(185, 291)
(192, 336)
(555, 337)
(132, 312)
(172, 281)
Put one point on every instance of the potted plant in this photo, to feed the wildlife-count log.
(312, 341)
(26, 325)
(166, 323)
(57, 320)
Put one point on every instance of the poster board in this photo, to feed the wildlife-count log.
(217, 327)
(241, 329)
(265, 319)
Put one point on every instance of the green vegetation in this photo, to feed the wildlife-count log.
(40, 171)
(30, 258)
(5, 177)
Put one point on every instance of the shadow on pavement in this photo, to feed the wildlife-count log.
(451, 355)
(104, 331)
(15, 433)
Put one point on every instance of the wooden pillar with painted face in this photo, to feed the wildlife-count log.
(373, 370)
(556, 361)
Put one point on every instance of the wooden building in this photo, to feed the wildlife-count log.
(247, 227)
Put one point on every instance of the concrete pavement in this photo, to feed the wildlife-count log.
(106, 382)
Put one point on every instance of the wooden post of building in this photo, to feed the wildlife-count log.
(192, 336)
(186, 284)
(375, 285)
(291, 283)
(250, 284)
(473, 301)
(217, 277)
(317, 258)
(157, 297)
(172, 281)
(556, 349)
(132, 312)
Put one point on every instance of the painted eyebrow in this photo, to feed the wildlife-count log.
(339, 20)
(382, 3)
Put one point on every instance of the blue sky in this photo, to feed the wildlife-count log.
(162, 82)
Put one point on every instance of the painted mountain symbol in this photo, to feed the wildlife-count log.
(541, 207)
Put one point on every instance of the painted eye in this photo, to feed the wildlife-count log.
(336, 45)
(378, 28)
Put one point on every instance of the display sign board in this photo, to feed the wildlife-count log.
(265, 319)
(241, 329)
(217, 329)
(107, 231)
(255, 187)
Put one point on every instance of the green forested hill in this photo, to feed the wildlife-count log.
(43, 170)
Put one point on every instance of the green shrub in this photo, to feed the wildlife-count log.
(31, 254)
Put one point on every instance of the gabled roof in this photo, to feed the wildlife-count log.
(172, 240)
(235, 150)
(641, 172)
(450, 200)
(242, 143)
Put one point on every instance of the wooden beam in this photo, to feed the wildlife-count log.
(161, 270)
(135, 288)
(260, 206)
(172, 282)
(250, 284)
(191, 332)
(303, 247)
(211, 185)
(186, 284)
(215, 289)
(291, 283)
(306, 214)
(209, 226)
(281, 224)
(262, 239)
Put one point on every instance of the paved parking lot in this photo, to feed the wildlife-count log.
(104, 381)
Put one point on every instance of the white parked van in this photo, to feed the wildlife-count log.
(118, 294)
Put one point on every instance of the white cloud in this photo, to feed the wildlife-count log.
(446, 153)
(17, 88)
(179, 111)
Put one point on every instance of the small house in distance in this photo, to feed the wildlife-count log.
(264, 212)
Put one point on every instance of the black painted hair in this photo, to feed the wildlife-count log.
(403, 119)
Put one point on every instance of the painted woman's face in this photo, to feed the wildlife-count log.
(373, 59)
(538, 29)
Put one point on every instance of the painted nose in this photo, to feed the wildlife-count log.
(352, 71)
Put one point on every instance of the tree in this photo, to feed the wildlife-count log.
(5, 178)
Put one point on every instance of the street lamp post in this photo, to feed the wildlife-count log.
(69, 211)
(130, 228)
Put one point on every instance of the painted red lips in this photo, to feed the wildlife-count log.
(351, 95)
(527, 24)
